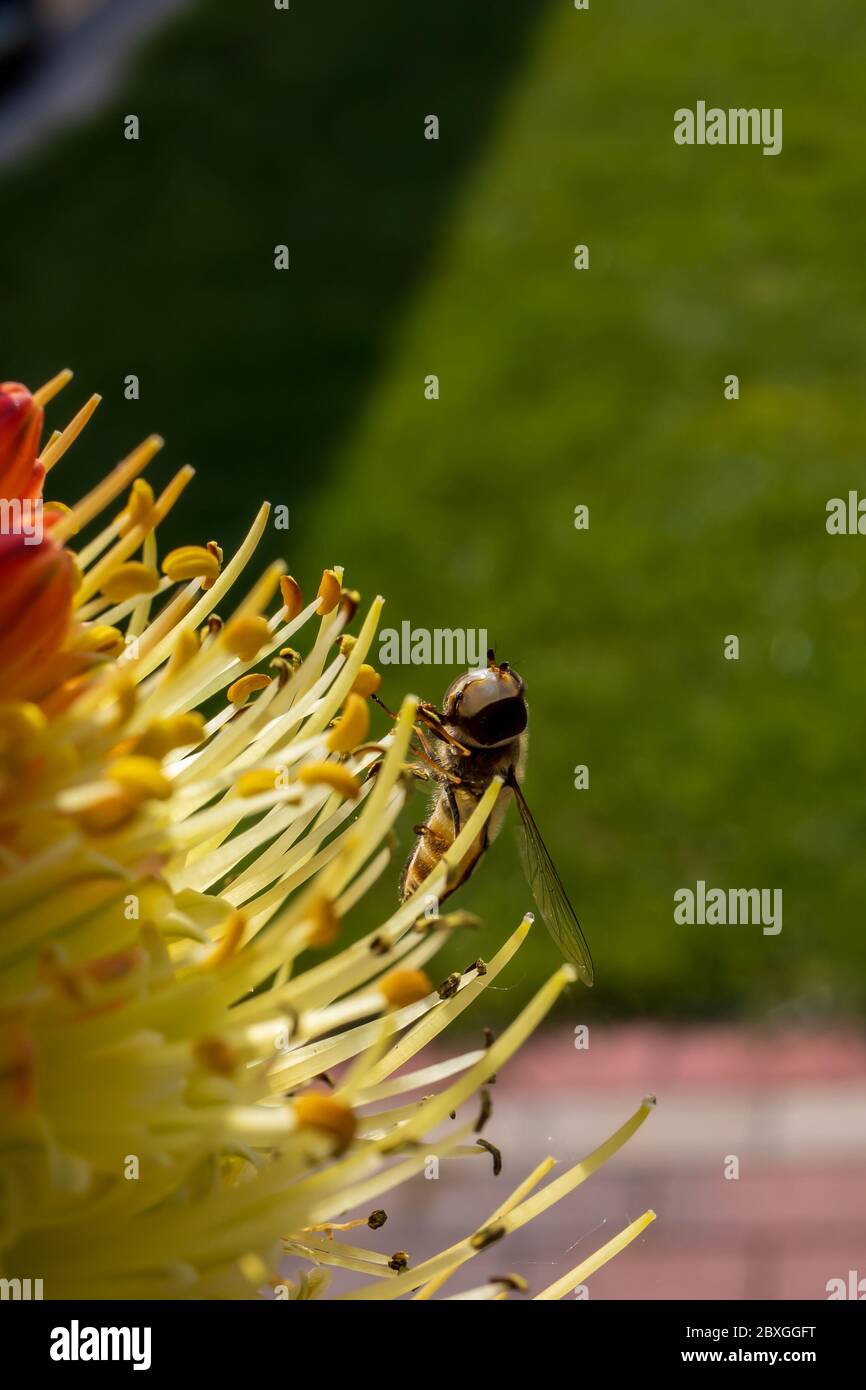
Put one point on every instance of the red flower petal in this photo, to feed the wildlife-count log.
(20, 432)
(37, 583)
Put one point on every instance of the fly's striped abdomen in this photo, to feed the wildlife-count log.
(436, 839)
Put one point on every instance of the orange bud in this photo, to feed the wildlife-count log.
(241, 690)
(367, 681)
(293, 599)
(351, 728)
(326, 924)
(245, 637)
(328, 593)
(405, 986)
(332, 775)
(326, 1114)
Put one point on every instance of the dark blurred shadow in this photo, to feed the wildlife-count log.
(156, 257)
(22, 38)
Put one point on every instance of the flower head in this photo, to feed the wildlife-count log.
(189, 811)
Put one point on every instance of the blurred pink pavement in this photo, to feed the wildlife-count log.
(788, 1106)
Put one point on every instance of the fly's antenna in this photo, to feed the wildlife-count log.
(491, 657)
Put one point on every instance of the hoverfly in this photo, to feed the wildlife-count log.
(481, 732)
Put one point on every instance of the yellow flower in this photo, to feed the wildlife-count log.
(168, 880)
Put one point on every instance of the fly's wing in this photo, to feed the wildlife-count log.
(550, 896)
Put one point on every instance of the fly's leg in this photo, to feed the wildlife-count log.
(381, 703)
(436, 724)
(454, 809)
(426, 753)
(442, 773)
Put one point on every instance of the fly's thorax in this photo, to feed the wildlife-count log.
(483, 764)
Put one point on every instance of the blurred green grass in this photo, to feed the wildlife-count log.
(602, 387)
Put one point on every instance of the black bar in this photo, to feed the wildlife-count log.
(261, 1336)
